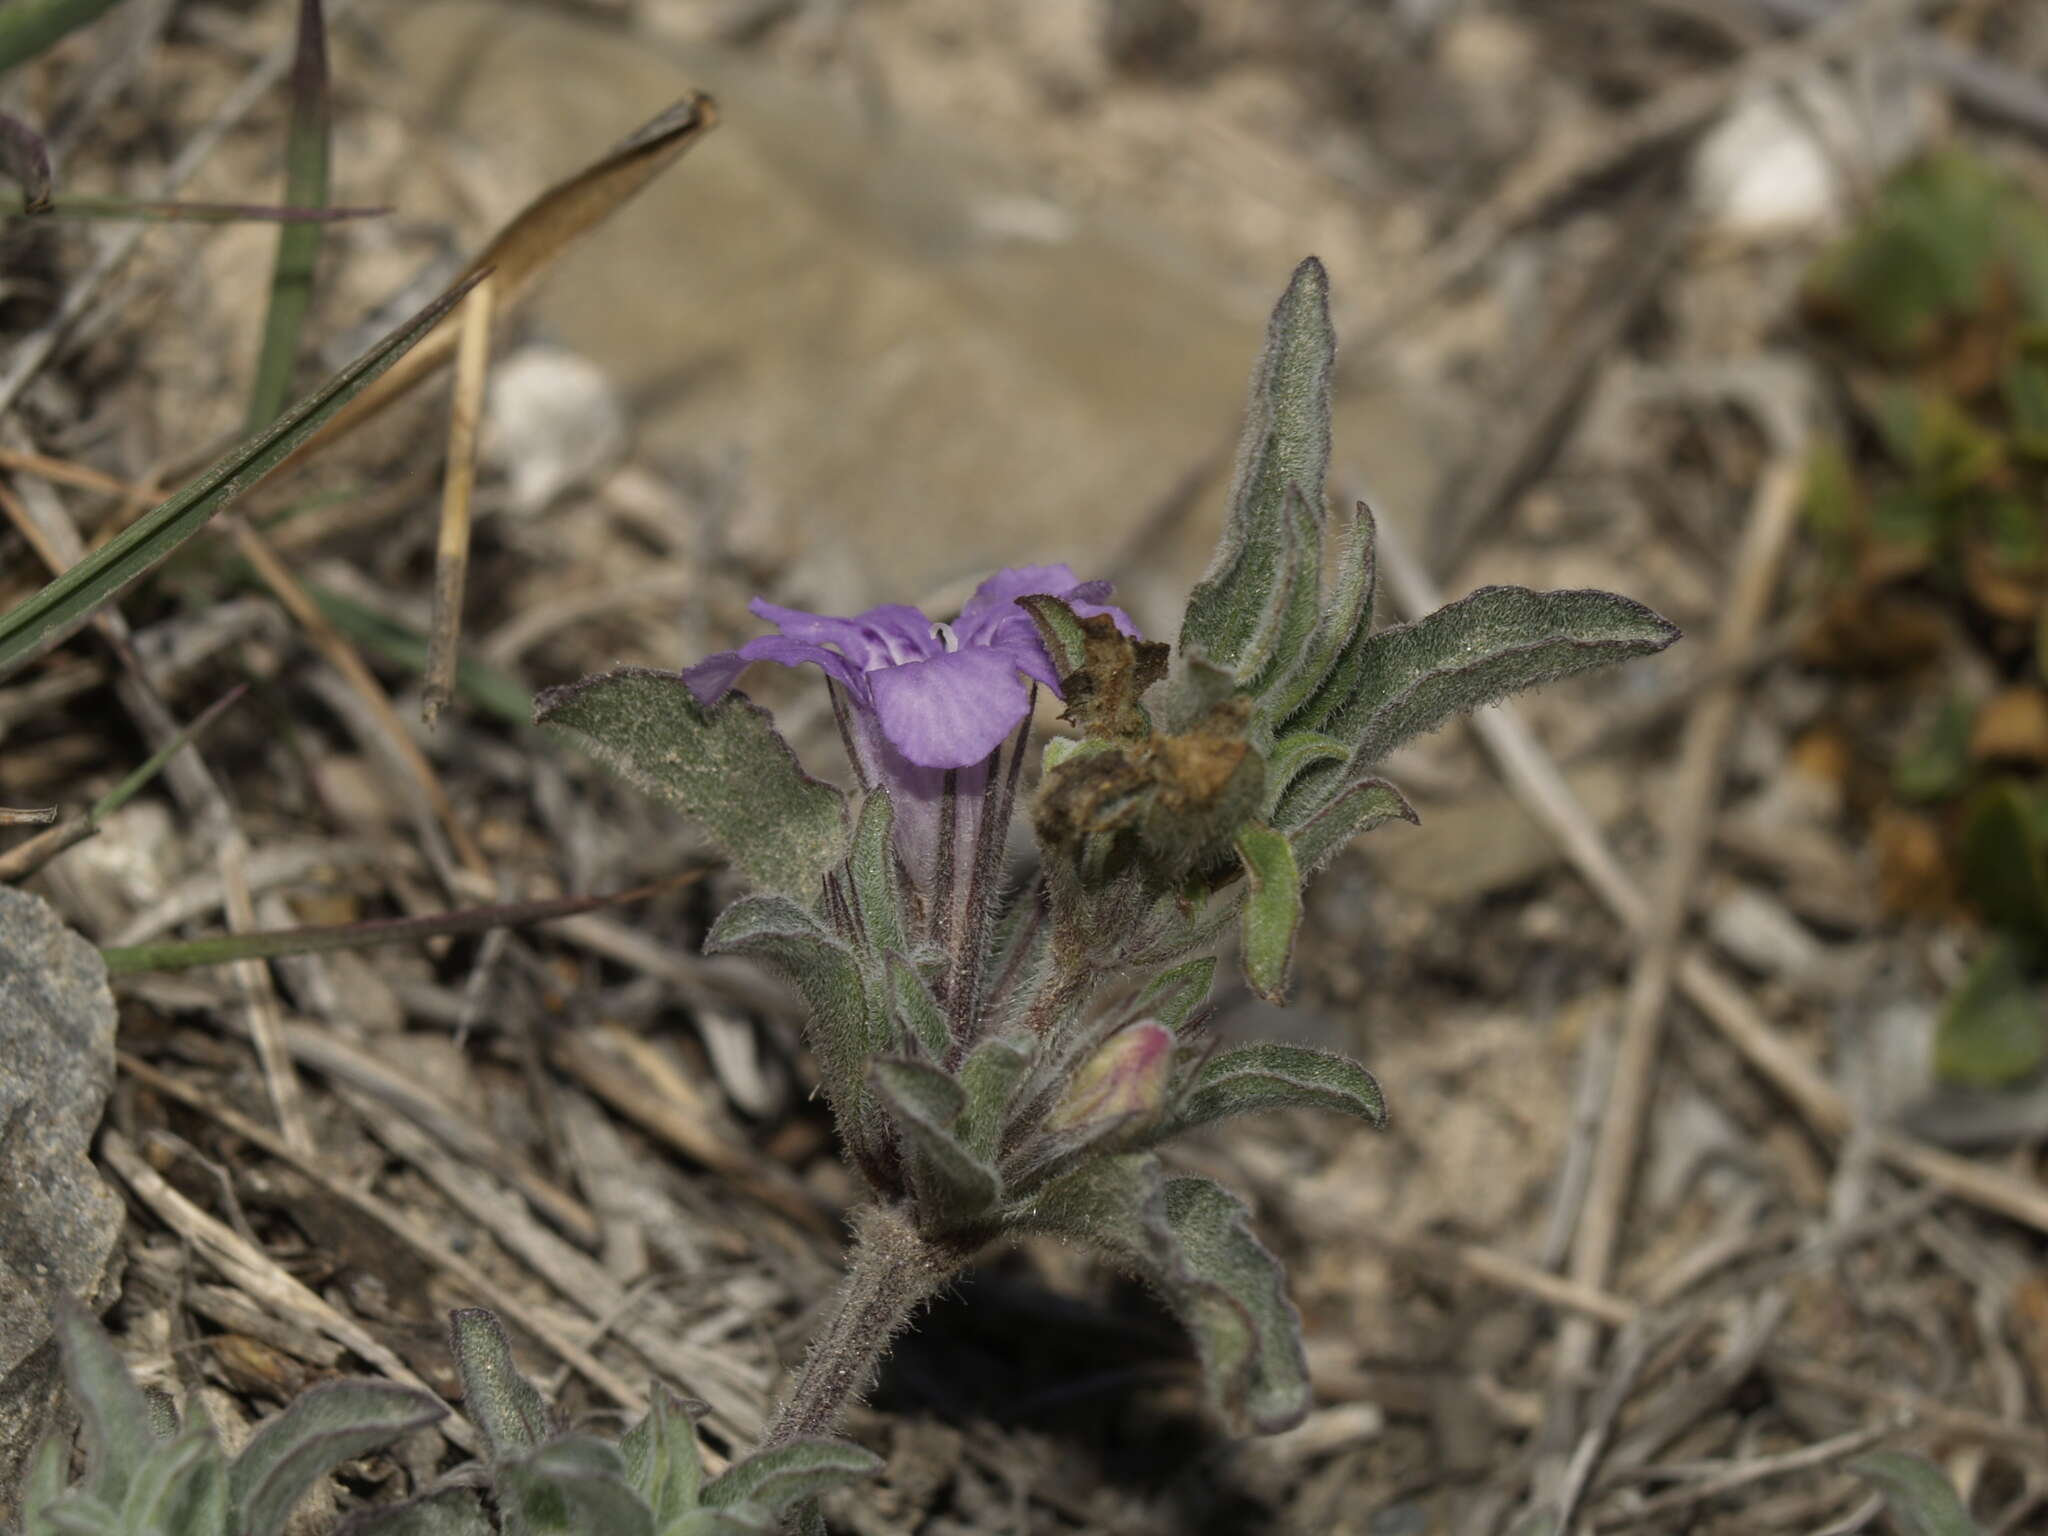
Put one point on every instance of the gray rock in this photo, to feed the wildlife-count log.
(58, 1218)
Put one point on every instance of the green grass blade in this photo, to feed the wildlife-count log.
(306, 177)
(183, 954)
(95, 580)
(27, 27)
(133, 785)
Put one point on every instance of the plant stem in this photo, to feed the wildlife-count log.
(891, 1271)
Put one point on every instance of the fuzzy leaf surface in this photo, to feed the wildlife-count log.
(877, 886)
(917, 1012)
(327, 1425)
(1286, 441)
(1189, 1239)
(1492, 643)
(49, 1473)
(1272, 909)
(1278, 1076)
(725, 766)
(782, 1475)
(572, 1486)
(1246, 1329)
(1353, 811)
(514, 1417)
(1283, 643)
(120, 1432)
(955, 1185)
(1300, 760)
(988, 1081)
(1174, 995)
(1329, 671)
(1918, 1494)
(662, 1463)
(843, 1033)
(446, 1512)
(171, 1481)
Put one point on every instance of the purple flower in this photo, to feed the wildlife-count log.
(940, 695)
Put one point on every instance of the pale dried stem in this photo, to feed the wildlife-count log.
(259, 999)
(1535, 781)
(458, 489)
(345, 659)
(534, 1320)
(255, 1272)
(1695, 792)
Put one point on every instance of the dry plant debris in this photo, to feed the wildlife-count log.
(1815, 1249)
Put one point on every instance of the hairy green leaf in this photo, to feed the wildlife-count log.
(1175, 994)
(1492, 643)
(508, 1408)
(2004, 862)
(988, 1081)
(1188, 1238)
(662, 1463)
(724, 766)
(737, 1520)
(918, 1014)
(1303, 756)
(1282, 645)
(445, 1512)
(954, 1186)
(1329, 670)
(1059, 629)
(784, 1474)
(1277, 1076)
(329, 1424)
(29, 27)
(877, 882)
(49, 1472)
(574, 1485)
(1272, 909)
(306, 162)
(1245, 1328)
(73, 597)
(1917, 1493)
(1286, 442)
(120, 1432)
(171, 1481)
(845, 1032)
(1992, 1030)
(1354, 810)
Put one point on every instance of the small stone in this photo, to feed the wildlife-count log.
(554, 422)
(58, 1219)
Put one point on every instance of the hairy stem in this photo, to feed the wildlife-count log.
(891, 1271)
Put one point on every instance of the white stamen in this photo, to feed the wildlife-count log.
(943, 633)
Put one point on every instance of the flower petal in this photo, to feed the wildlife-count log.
(996, 599)
(882, 637)
(712, 676)
(952, 710)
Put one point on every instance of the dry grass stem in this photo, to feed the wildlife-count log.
(451, 555)
(259, 1000)
(401, 1226)
(1533, 776)
(256, 1274)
